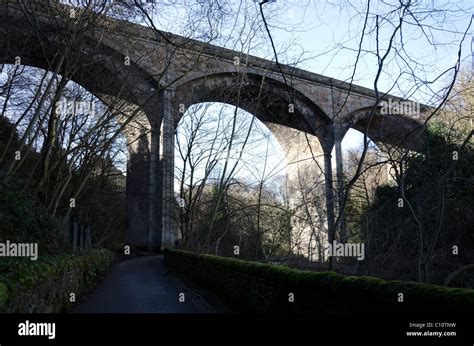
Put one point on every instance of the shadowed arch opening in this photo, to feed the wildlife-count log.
(59, 45)
(77, 149)
(267, 98)
(229, 182)
(292, 181)
(375, 163)
(391, 129)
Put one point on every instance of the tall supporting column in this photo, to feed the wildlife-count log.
(150, 176)
(137, 189)
(168, 234)
(328, 184)
(338, 136)
(155, 187)
(304, 188)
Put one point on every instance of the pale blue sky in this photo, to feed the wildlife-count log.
(323, 36)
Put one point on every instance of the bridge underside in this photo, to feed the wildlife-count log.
(154, 94)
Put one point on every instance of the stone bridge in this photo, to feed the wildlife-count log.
(158, 75)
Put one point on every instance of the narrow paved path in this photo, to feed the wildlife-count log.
(142, 285)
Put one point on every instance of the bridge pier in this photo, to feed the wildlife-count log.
(329, 191)
(338, 137)
(155, 211)
(150, 223)
(304, 188)
(169, 230)
(315, 186)
(137, 216)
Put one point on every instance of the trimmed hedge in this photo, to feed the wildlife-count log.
(45, 285)
(258, 287)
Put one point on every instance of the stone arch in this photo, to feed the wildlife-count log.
(300, 135)
(140, 190)
(213, 77)
(95, 65)
(99, 68)
(298, 148)
(388, 129)
(266, 98)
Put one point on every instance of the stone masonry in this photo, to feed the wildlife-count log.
(308, 113)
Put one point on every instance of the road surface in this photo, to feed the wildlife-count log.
(143, 285)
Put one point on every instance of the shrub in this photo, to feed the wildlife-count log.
(23, 221)
(44, 285)
(258, 287)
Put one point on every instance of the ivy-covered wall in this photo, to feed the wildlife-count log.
(257, 287)
(45, 285)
